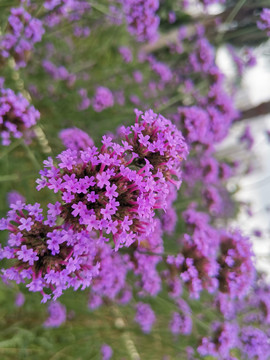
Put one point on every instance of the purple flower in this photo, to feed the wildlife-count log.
(23, 32)
(57, 315)
(145, 316)
(264, 22)
(255, 343)
(236, 268)
(106, 352)
(247, 138)
(181, 322)
(13, 197)
(19, 301)
(58, 73)
(141, 18)
(17, 116)
(121, 183)
(125, 53)
(162, 70)
(202, 59)
(224, 338)
(75, 139)
(103, 99)
(53, 257)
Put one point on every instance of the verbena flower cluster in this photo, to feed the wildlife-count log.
(23, 32)
(264, 22)
(141, 18)
(17, 116)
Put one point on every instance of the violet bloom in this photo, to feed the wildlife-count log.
(145, 316)
(59, 73)
(75, 139)
(171, 17)
(194, 122)
(203, 57)
(138, 76)
(57, 315)
(111, 280)
(80, 31)
(223, 339)
(158, 142)
(162, 70)
(106, 352)
(52, 257)
(255, 343)
(125, 53)
(181, 322)
(103, 99)
(212, 199)
(116, 190)
(247, 138)
(72, 10)
(101, 193)
(264, 22)
(141, 18)
(145, 266)
(85, 101)
(23, 32)
(13, 197)
(51, 4)
(19, 301)
(197, 262)
(17, 116)
(236, 271)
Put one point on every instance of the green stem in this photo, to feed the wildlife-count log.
(235, 11)
(171, 102)
(13, 146)
(31, 156)
(9, 177)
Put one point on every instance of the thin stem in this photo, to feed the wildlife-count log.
(13, 146)
(9, 177)
(169, 103)
(31, 156)
(235, 11)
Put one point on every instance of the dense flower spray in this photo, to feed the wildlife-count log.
(141, 18)
(52, 257)
(115, 191)
(24, 32)
(17, 116)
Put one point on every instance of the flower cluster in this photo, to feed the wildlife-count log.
(17, 116)
(255, 343)
(141, 18)
(181, 322)
(58, 73)
(236, 271)
(103, 99)
(52, 257)
(57, 315)
(264, 22)
(75, 139)
(71, 10)
(197, 263)
(24, 32)
(115, 191)
(224, 339)
(145, 317)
